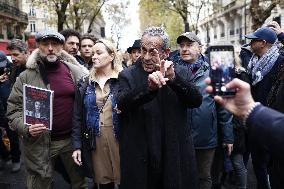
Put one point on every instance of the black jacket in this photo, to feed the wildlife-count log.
(275, 97)
(261, 90)
(267, 125)
(5, 89)
(240, 131)
(156, 148)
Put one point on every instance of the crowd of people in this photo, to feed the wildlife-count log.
(149, 121)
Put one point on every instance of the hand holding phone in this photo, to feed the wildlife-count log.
(7, 71)
(4, 77)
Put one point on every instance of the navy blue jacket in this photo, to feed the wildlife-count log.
(280, 37)
(261, 90)
(245, 55)
(5, 89)
(267, 129)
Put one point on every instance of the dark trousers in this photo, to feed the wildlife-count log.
(217, 166)
(240, 170)
(260, 161)
(276, 174)
(15, 151)
(204, 159)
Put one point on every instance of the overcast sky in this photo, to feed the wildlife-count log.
(131, 31)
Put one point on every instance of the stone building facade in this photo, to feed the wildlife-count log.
(228, 23)
(13, 21)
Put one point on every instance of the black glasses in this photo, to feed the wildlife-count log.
(257, 40)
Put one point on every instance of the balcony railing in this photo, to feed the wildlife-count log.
(230, 5)
(13, 12)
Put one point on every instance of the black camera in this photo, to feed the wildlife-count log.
(5, 67)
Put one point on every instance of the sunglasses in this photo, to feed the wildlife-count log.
(257, 40)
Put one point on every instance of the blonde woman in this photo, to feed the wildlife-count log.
(95, 123)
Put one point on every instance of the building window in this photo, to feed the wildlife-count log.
(222, 29)
(45, 13)
(18, 30)
(32, 11)
(215, 33)
(232, 28)
(32, 26)
(1, 34)
(9, 28)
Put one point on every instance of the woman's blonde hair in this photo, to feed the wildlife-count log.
(116, 62)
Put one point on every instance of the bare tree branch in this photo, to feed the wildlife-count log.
(259, 13)
(94, 16)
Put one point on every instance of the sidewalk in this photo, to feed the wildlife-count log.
(10, 180)
(17, 180)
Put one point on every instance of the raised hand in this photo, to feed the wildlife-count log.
(275, 26)
(156, 80)
(4, 77)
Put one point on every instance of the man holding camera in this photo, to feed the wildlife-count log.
(8, 74)
(5, 85)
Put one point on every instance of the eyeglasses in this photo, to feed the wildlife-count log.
(151, 51)
(257, 40)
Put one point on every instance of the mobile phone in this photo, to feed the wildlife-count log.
(7, 70)
(222, 64)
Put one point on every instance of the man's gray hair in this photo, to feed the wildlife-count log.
(158, 31)
(17, 44)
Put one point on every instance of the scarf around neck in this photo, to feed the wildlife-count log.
(259, 67)
(193, 66)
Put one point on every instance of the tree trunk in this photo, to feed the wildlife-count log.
(61, 20)
(260, 14)
(94, 16)
(77, 19)
(186, 26)
(198, 15)
(61, 16)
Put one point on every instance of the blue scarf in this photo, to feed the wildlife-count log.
(259, 67)
(176, 58)
(93, 112)
(194, 66)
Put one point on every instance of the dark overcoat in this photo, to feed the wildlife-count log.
(156, 147)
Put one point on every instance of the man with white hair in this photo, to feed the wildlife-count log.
(156, 148)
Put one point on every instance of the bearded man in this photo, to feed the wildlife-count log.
(48, 67)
